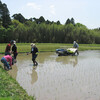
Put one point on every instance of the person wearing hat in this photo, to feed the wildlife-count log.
(14, 51)
(34, 50)
(75, 45)
(8, 48)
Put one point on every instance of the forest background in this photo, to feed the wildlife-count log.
(39, 30)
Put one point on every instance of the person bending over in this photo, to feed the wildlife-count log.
(7, 60)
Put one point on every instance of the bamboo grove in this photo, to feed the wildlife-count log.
(43, 31)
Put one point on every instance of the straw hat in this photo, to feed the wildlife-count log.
(74, 42)
(14, 42)
(32, 45)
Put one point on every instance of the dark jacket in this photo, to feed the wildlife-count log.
(14, 48)
(34, 50)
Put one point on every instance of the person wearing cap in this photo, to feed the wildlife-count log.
(75, 45)
(14, 51)
(7, 61)
(34, 50)
(8, 48)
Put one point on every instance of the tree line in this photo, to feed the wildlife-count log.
(43, 31)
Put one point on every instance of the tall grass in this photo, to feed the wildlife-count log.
(45, 47)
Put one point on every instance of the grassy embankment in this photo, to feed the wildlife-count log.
(45, 47)
(10, 89)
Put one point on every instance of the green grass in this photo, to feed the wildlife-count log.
(10, 89)
(45, 47)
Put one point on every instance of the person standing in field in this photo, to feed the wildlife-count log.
(7, 60)
(75, 45)
(14, 51)
(34, 50)
(8, 48)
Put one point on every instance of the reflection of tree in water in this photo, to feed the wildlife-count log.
(68, 60)
(43, 56)
(34, 75)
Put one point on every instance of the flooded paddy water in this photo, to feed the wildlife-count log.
(60, 77)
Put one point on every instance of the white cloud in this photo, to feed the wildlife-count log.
(34, 5)
(52, 9)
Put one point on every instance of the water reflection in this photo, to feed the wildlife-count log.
(68, 60)
(26, 75)
(60, 78)
(44, 57)
(34, 76)
(13, 72)
(56, 79)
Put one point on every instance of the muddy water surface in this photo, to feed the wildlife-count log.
(60, 78)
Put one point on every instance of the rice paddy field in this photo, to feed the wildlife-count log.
(56, 77)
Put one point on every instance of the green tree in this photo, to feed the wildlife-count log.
(58, 23)
(4, 15)
(40, 20)
(48, 22)
(0, 13)
(2, 35)
(72, 21)
(68, 21)
(19, 17)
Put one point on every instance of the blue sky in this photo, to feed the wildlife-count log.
(86, 12)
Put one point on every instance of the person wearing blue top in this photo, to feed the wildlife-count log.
(75, 45)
